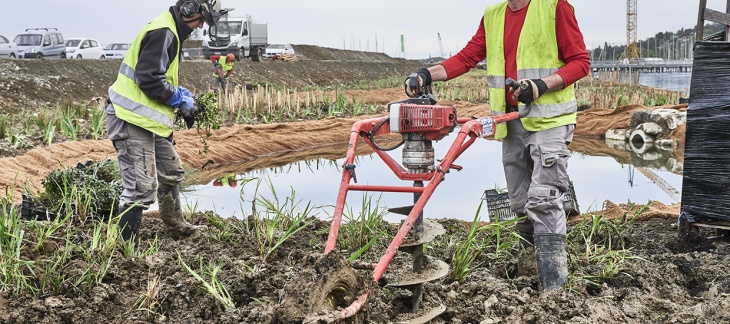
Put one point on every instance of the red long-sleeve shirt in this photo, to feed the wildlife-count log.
(571, 47)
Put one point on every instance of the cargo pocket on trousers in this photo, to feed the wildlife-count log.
(554, 171)
(126, 165)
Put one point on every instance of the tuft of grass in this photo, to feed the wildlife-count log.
(597, 248)
(279, 220)
(466, 251)
(361, 226)
(149, 301)
(213, 285)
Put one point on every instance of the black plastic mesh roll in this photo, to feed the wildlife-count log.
(706, 181)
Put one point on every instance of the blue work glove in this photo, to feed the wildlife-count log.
(187, 106)
(185, 92)
(185, 103)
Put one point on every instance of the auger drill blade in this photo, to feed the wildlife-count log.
(405, 210)
(431, 230)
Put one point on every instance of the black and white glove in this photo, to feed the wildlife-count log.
(529, 90)
(416, 83)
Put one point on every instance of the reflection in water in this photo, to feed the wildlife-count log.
(598, 172)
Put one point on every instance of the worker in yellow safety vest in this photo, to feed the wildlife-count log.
(539, 44)
(140, 113)
(222, 68)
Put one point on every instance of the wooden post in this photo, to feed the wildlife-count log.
(701, 21)
(727, 28)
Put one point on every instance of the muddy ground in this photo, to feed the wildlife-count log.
(675, 282)
(681, 281)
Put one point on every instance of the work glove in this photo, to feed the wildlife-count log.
(185, 92)
(416, 89)
(529, 90)
(185, 103)
(187, 106)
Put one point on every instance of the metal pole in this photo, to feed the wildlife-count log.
(417, 296)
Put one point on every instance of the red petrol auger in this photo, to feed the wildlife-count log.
(420, 122)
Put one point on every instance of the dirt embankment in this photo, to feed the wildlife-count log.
(35, 83)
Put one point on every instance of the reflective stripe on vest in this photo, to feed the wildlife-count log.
(537, 57)
(130, 103)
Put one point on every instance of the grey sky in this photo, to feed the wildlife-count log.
(349, 24)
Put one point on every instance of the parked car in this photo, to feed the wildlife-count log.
(84, 48)
(116, 50)
(8, 48)
(276, 49)
(40, 43)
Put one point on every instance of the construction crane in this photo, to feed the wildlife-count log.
(632, 49)
(441, 47)
(656, 179)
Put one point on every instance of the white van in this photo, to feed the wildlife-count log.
(40, 43)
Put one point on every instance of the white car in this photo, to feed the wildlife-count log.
(84, 48)
(116, 50)
(8, 48)
(276, 49)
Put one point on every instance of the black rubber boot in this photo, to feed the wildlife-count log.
(171, 211)
(526, 240)
(552, 261)
(526, 264)
(129, 223)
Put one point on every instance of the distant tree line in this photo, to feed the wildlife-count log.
(665, 45)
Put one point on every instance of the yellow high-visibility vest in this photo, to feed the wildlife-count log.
(130, 103)
(537, 57)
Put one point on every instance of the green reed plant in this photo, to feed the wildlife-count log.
(279, 219)
(15, 272)
(53, 275)
(361, 226)
(221, 229)
(597, 247)
(4, 125)
(493, 241)
(466, 251)
(49, 131)
(212, 284)
(98, 119)
(97, 266)
(45, 230)
(70, 127)
(27, 127)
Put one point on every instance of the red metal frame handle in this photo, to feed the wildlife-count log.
(471, 128)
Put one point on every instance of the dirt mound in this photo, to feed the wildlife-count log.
(317, 53)
(37, 83)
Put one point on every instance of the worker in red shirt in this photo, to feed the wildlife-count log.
(222, 68)
(539, 44)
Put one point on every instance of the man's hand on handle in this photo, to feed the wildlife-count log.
(417, 82)
(529, 90)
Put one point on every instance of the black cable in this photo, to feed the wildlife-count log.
(371, 137)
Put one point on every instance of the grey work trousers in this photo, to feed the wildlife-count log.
(536, 167)
(222, 81)
(145, 161)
